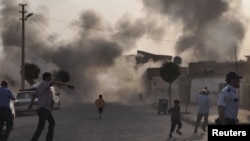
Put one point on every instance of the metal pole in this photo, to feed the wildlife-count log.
(236, 62)
(155, 83)
(155, 95)
(23, 46)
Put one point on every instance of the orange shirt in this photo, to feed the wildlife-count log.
(100, 103)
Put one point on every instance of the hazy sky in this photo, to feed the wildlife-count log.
(111, 11)
(67, 11)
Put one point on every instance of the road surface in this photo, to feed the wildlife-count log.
(80, 122)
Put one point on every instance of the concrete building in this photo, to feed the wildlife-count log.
(196, 76)
(212, 75)
(144, 57)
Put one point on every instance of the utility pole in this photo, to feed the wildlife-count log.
(23, 19)
(236, 62)
(23, 11)
(155, 86)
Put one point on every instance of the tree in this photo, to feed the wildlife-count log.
(169, 72)
(62, 75)
(32, 72)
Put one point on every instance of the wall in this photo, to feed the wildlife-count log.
(214, 85)
(160, 89)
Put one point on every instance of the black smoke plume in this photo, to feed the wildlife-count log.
(209, 29)
(93, 59)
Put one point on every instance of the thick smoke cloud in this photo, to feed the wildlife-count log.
(8, 32)
(129, 31)
(94, 57)
(89, 57)
(209, 31)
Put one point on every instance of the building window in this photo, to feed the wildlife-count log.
(208, 71)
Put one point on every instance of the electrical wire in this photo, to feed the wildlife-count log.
(103, 30)
(44, 30)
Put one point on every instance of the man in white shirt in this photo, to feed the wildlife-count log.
(44, 105)
(203, 110)
(228, 102)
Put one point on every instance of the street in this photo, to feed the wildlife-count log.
(80, 122)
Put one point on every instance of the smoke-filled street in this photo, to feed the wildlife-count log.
(78, 122)
(116, 48)
(99, 50)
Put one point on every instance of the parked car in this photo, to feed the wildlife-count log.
(23, 98)
(55, 99)
(12, 109)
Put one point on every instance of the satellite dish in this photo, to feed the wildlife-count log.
(177, 60)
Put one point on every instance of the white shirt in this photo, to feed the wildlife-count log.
(229, 100)
(203, 103)
(44, 95)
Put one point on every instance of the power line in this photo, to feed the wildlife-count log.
(44, 29)
(99, 29)
(125, 34)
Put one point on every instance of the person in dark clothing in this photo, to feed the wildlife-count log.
(44, 105)
(6, 117)
(141, 97)
(175, 118)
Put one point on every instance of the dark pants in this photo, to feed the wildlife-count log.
(198, 120)
(174, 123)
(43, 115)
(227, 120)
(6, 118)
(100, 110)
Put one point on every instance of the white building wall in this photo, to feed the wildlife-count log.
(213, 85)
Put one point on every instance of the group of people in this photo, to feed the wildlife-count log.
(228, 106)
(228, 103)
(44, 107)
